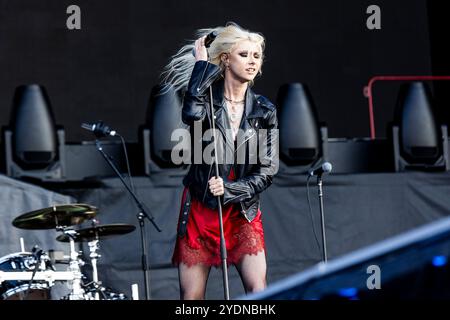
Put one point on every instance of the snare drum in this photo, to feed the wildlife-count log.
(18, 290)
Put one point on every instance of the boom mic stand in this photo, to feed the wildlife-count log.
(143, 213)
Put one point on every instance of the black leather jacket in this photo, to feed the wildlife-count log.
(260, 113)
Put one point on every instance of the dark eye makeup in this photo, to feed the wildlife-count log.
(245, 53)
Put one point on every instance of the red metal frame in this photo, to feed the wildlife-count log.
(368, 91)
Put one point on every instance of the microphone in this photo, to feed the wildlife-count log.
(208, 40)
(326, 167)
(99, 129)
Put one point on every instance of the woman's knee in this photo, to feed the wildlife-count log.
(255, 285)
(193, 281)
(192, 294)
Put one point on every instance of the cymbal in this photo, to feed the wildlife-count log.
(52, 217)
(98, 232)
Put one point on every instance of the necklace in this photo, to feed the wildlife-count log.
(234, 102)
(235, 114)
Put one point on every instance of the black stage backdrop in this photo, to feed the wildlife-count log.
(106, 69)
(360, 209)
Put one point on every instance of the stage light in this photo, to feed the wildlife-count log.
(162, 119)
(32, 123)
(34, 146)
(419, 142)
(301, 138)
(439, 261)
(348, 292)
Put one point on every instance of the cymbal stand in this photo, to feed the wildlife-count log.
(74, 267)
(93, 247)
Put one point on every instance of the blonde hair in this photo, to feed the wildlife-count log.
(178, 71)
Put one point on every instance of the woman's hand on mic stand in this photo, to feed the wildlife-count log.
(216, 186)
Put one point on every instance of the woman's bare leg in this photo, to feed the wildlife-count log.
(253, 269)
(193, 281)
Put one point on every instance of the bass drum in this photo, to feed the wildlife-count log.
(23, 290)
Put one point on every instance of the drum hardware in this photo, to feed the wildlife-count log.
(58, 257)
(37, 267)
(37, 253)
(60, 217)
(75, 262)
(92, 236)
(93, 247)
(22, 244)
(104, 293)
(47, 276)
(16, 268)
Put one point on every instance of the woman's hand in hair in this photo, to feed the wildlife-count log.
(200, 50)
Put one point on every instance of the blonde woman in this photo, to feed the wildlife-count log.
(229, 66)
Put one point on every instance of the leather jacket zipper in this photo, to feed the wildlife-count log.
(248, 138)
(244, 212)
(208, 80)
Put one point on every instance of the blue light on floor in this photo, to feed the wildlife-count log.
(439, 261)
(348, 292)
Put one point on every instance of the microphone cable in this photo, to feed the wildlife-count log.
(36, 254)
(106, 131)
(127, 161)
(311, 214)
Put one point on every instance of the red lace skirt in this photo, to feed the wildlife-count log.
(201, 243)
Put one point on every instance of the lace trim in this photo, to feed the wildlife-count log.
(248, 241)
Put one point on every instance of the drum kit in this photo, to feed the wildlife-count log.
(31, 275)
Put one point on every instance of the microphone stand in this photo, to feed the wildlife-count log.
(140, 216)
(223, 247)
(322, 219)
